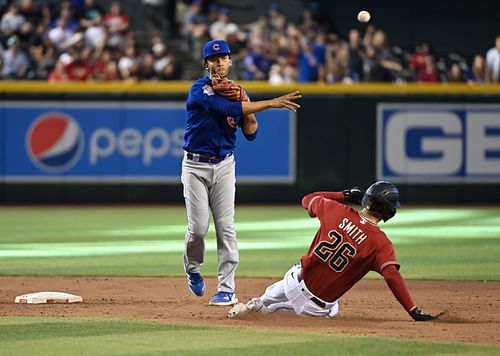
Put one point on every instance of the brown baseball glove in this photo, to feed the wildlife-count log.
(228, 89)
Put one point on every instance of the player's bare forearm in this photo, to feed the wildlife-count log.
(286, 101)
(250, 124)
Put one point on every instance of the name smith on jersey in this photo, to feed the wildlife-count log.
(351, 229)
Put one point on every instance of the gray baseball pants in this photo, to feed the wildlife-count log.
(209, 186)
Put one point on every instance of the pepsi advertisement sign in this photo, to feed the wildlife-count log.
(438, 143)
(126, 142)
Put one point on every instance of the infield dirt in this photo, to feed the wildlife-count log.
(472, 307)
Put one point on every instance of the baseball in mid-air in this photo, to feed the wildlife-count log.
(364, 16)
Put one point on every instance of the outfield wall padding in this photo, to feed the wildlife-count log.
(336, 143)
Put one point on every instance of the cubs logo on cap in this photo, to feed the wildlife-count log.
(54, 142)
(215, 47)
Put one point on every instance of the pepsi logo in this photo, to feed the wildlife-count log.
(54, 142)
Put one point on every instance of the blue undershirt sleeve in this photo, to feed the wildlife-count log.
(250, 137)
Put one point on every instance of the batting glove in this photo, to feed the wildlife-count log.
(353, 195)
(419, 315)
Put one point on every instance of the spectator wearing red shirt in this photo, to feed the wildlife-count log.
(79, 69)
(430, 74)
(117, 24)
(419, 59)
(58, 74)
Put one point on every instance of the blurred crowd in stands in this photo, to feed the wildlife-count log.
(82, 40)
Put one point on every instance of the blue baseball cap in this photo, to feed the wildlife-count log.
(215, 47)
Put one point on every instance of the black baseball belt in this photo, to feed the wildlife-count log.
(196, 157)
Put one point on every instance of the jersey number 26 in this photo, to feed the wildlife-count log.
(336, 252)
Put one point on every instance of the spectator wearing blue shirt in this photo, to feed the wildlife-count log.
(309, 65)
(208, 169)
(257, 63)
(15, 61)
(66, 16)
(319, 50)
(89, 13)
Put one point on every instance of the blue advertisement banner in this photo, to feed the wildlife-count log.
(438, 143)
(126, 142)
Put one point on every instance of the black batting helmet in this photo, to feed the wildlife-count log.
(382, 198)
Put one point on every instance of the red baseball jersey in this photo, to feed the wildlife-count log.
(346, 247)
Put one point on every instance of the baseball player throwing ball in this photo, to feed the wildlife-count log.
(346, 247)
(216, 107)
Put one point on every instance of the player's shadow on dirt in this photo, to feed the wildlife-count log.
(286, 317)
(450, 319)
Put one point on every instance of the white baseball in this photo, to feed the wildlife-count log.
(364, 16)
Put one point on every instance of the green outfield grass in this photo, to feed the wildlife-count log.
(431, 243)
(57, 336)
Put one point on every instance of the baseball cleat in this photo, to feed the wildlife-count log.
(224, 298)
(240, 309)
(196, 284)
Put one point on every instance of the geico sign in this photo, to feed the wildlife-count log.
(421, 142)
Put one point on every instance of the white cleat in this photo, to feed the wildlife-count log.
(237, 310)
(241, 309)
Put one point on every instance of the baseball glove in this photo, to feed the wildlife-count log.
(228, 89)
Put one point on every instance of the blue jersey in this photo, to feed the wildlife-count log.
(308, 67)
(212, 121)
